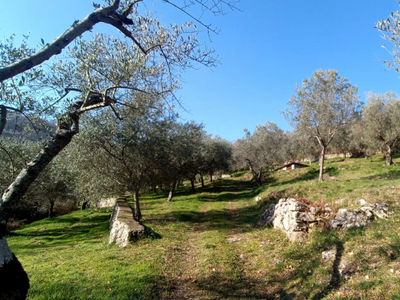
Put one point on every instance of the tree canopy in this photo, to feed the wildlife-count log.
(322, 106)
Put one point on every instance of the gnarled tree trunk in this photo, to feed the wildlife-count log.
(14, 280)
(137, 212)
(171, 191)
(321, 163)
(388, 155)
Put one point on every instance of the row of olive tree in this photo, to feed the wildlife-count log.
(146, 149)
(326, 116)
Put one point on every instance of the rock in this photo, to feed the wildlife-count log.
(362, 202)
(267, 215)
(123, 227)
(381, 210)
(258, 198)
(292, 217)
(359, 217)
(297, 236)
(233, 239)
(327, 255)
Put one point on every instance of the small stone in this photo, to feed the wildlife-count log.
(326, 255)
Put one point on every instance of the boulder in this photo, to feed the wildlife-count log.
(359, 217)
(123, 227)
(296, 218)
(290, 216)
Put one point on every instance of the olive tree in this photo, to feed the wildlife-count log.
(216, 156)
(321, 107)
(258, 151)
(381, 123)
(390, 31)
(178, 155)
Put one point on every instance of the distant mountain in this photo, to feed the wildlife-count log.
(29, 128)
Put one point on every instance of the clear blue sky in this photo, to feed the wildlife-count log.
(265, 50)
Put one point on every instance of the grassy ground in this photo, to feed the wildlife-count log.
(209, 246)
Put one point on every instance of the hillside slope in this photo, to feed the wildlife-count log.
(209, 246)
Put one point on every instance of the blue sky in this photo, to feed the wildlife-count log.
(265, 50)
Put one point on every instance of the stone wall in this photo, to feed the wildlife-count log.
(296, 218)
(123, 227)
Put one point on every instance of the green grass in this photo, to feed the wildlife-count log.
(207, 245)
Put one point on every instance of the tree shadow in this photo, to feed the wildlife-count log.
(334, 283)
(389, 175)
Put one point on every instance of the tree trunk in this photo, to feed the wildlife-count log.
(211, 177)
(192, 184)
(321, 164)
(14, 280)
(202, 180)
(256, 176)
(3, 118)
(136, 204)
(20, 185)
(388, 156)
(171, 191)
(51, 209)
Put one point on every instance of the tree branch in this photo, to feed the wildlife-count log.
(55, 47)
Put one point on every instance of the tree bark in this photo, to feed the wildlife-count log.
(171, 191)
(3, 118)
(192, 184)
(51, 208)
(14, 280)
(256, 176)
(20, 185)
(321, 163)
(388, 155)
(136, 204)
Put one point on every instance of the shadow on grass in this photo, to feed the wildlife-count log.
(334, 283)
(311, 174)
(389, 175)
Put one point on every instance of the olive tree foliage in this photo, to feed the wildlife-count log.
(300, 147)
(180, 155)
(56, 182)
(321, 107)
(381, 123)
(390, 31)
(216, 157)
(118, 155)
(260, 150)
